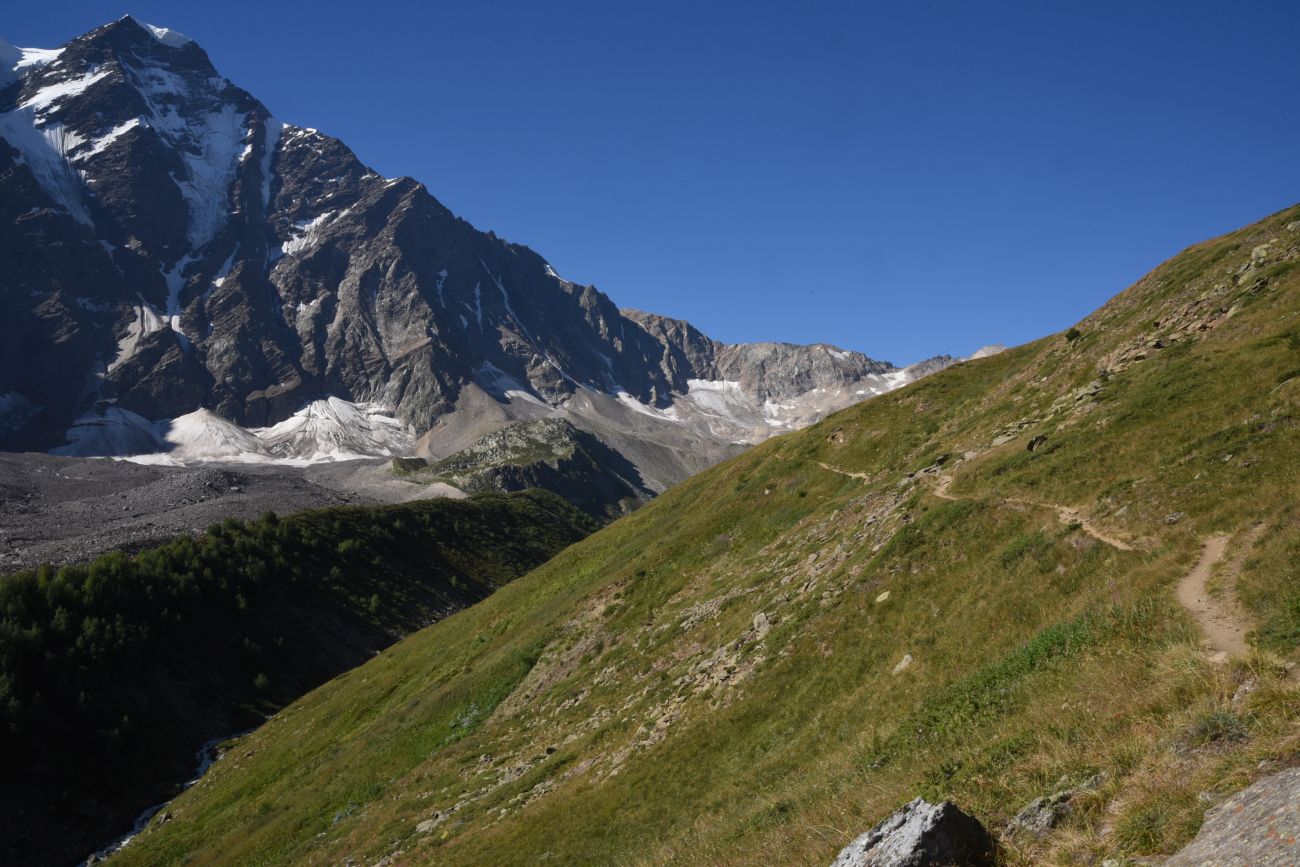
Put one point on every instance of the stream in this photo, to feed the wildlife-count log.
(204, 758)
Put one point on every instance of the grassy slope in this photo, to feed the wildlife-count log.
(717, 677)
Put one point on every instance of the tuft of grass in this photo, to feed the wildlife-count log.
(1216, 726)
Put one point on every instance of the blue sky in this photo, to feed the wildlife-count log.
(899, 178)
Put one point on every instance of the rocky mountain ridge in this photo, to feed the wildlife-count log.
(188, 277)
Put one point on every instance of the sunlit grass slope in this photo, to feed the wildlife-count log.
(770, 657)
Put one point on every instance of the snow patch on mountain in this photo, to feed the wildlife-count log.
(34, 57)
(325, 430)
(208, 143)
(50, 94)
(478, 304)
(219, 278)
(175, 279)
(274, 132)
(897, 378)
(147, 320)
(15, 61)
(442, 279)
(45, 153)
(165, 35)
(335, 429)
(203, 435)
(110, 431)
(723, 397)
(631, 402)
(301, 235)
(510, 311)
(502, 385)
(101, 144)
(209, 174)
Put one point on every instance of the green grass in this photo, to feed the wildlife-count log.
(719, 676)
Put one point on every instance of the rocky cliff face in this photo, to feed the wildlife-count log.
(167, 246)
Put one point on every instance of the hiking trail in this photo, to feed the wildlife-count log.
(1222, 621)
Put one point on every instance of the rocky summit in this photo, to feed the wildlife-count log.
(182, 274)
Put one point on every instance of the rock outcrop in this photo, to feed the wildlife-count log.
(922, 834)
(1257, 827)
(547, 453)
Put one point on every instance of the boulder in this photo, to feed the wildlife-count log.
(1259, 826)
(1043, 814)
(922, 834)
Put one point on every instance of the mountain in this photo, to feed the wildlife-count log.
(1066, 572)
(182, 275)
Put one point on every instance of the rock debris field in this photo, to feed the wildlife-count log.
(71, 510)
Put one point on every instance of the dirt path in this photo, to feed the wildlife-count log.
(1065, 514)
(941, 488)
(849, 473)
(1222, 622)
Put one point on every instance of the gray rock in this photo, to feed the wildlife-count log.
(922, 834)
(1259, 826)
(1043, 814)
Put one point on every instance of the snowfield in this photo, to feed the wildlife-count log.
(322, 431)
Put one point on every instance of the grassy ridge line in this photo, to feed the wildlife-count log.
(721, 673)
(112, 672)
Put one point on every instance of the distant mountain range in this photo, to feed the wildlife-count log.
(184, 276)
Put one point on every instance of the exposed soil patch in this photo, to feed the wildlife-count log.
(1220, 618)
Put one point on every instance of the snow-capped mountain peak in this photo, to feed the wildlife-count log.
(184, 252)
(165, 35)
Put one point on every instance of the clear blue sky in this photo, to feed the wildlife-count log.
(899, 178)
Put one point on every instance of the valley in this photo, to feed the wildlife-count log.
(425, 554)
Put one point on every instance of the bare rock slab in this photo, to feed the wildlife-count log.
(922, 834)
(1259, 826)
